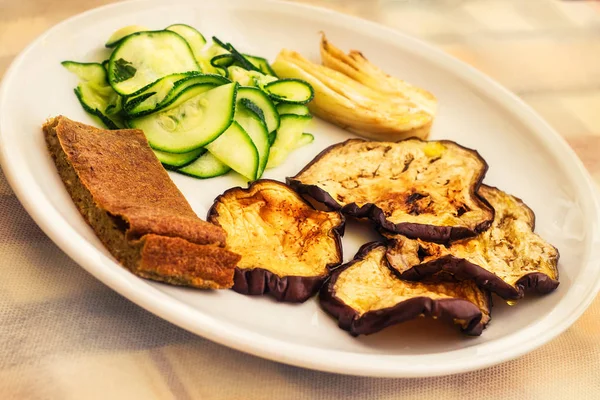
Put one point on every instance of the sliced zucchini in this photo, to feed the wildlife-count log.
(115, 107)
(120, 34)
(261, 64)
(222, 61)
(180, 91)
(254, 108)
(220, 43)
(153, 94)
(290, 90)
(95, 104)
(249, 78)
(288, 135)
(87, 72)
(208, 54)
(197, 117)
(178, 160)
(296, 109)
(261, 80)
(152, 100)
(206, 166)
(260, 99)
(235, 149)
(195, 39)
(214, 49)
(241, 76)
(191, 80)
(256, 129)
(305, 139)
(144, 57)
(95, 94)
(238, 57)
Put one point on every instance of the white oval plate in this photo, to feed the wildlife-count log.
(526, 158)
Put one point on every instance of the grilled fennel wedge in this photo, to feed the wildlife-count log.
(287, 246)
(420, 189)
(507, 259)
(366, 297)
(355, 94)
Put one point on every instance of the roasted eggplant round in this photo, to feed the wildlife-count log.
(366, 296)
(507, 259)
(420, 189)
(287, 246)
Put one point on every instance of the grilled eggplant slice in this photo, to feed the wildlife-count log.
(420, 189)
(507, 259)
(366, 296)
(287, 246)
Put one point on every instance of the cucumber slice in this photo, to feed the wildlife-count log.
(296, 109)
(178, 160)
(291, 90)
(257, 130)
(305, 139)
(195, 39)
(155, 99)
(120, 34)
(261, 64)
(288, 134)
(144, 57)
(197, 117)
(235, 148)
(258, 97)
(206, 166)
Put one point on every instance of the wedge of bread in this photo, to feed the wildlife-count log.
(137, 212)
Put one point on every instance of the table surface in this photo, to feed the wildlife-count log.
(64, 335)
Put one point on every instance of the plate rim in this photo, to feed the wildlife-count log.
(186, 317)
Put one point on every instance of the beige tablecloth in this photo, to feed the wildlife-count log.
(64, 335)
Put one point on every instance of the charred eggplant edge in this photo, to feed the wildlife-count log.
(260, 281)
(430, 233)
(461, 269)
(374, 321)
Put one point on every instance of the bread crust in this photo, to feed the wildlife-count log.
(138, 213)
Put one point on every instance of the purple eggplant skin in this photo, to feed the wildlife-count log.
(374, 321)
(461, 269)
(429, 233)
(289, 289)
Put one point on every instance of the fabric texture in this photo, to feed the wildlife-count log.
(64, 335)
